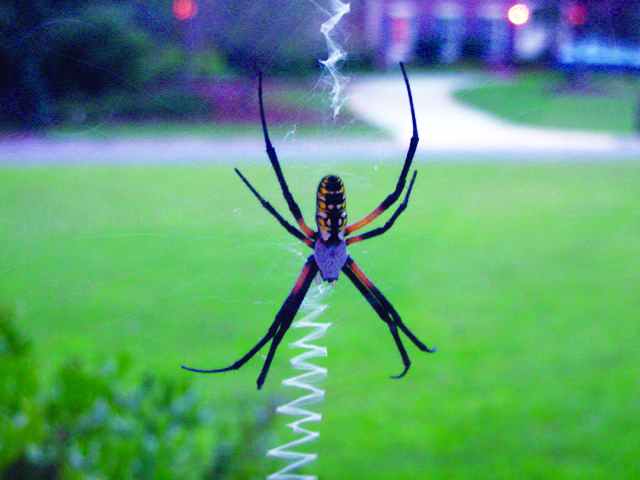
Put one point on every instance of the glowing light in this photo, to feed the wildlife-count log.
(577, 15)
(184, 9)
(518, 14)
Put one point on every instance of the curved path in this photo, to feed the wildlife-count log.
(447, 125)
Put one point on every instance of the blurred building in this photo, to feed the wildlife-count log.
(439, 31)
(501, 31)
(599, 34)
(595, 33)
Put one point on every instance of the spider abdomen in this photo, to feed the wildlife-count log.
(331, 209)
(330, 257)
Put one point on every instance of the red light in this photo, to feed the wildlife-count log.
(184, 9)
(577, 15)
(518, 14)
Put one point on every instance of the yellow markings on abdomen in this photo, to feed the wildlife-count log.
(331, 207)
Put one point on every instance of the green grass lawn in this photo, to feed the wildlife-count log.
(599, 102)
(524, 275)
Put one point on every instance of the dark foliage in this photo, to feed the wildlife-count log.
(102, 422)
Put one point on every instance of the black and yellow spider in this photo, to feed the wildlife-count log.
(329, 245)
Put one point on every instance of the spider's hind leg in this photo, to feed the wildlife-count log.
(385, 311)
(280, 325)
(382, 313)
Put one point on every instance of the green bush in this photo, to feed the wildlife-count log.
(167, 104)
(92, 55)
(96, 423)
(19, 422)
(78, 55)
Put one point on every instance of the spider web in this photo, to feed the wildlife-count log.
(305, 158)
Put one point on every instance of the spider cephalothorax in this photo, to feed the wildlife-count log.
(329, 246)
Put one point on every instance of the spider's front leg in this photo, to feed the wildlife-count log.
(290, 228)
(385, 311)
(273, 158)
(280, 325)
(393, 196)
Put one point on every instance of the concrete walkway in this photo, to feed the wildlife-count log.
(447, 129)
(188, 149)
(446, 125)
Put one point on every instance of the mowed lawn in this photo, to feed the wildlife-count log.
(597, 102)
(525, 275)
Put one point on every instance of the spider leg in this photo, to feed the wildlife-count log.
(293, 206)
(393, 197)
(280, 325)
(387, 306)
(390, 222)
(382, 313)
(290, 228)
(384, 309)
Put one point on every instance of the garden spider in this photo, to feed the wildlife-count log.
(329, 246)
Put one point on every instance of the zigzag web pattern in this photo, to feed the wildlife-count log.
(313, 307)
(336, 54)
(313, 374)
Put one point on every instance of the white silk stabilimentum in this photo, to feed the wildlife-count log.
(313, 373)
(336, 54)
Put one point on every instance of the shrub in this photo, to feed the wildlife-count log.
(19, 422)
(93, 423)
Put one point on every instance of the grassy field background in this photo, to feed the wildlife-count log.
(524, 275)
